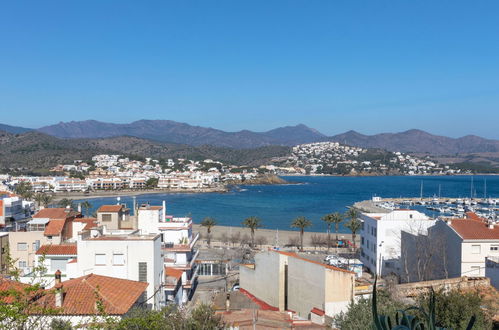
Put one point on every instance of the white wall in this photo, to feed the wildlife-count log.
(134, 250)
(266, 280)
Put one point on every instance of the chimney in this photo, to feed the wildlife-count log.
(491, 224)
(59, 295)
(164, 210)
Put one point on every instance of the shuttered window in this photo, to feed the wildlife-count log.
(143, 271)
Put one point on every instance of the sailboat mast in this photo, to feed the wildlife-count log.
(471, 188)
(484, 188)
(421, 193)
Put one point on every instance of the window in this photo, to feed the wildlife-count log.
(118, 259)
(22, 246)
(362, 240)
(106, 217)
(36, 245)
(143, 271)
(100, 259)
(22, 264)
(58, 264)
(494, 248)
(475, 249)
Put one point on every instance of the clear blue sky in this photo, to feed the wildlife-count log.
(371, 66)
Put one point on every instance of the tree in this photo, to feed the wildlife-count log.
(170, 318)
(261, 240)
(152, 182)
(38, 199)
(354, 224)
(87, 206)
(301, 223)
(332, 218)
(24, 189)
(455, 308)
(47, 199)
(208, 223)
(235, 237)
(253, 223)
(66, 202)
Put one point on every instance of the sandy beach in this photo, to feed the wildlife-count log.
(116, 193)
(269, 235)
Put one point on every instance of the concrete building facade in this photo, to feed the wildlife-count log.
(287, 281)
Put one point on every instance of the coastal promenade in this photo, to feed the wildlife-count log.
(282, 237)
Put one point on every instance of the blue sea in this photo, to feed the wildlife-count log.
(312, 197)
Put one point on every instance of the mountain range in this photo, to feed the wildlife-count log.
(167, 131)
(175, 132)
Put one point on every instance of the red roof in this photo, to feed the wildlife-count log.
(54, 227)
(90, 222)
(262, 304)
(10, 285)
(173, 272)
(474, 229)
(58, 249)
(55, 213)
(1, 207)
(117, 295)
(317, 311)
(110, 208)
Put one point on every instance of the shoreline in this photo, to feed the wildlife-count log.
(130, 193)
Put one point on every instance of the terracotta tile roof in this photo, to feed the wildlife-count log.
(6, 285)
(54, 227)
(474, 229)
(58, 249)
(1, 207)
(110, 208)
(75, 260)
(55, 213)
(173, 272)
(317, 311)
(294, 255)
(90, 222)
(117, 295)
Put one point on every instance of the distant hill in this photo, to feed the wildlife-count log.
(175, 132)
(36, 152)
(14, 129)
(417, 141)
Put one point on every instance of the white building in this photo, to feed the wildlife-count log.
(122, 254)
(178, 244)
(466, 244)
(381, 238)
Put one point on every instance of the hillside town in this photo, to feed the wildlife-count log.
(163, 260)
(116, 172)
(334, 158)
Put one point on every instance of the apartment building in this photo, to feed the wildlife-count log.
(12, 209)
(178, 246)
(287, 282)
(466, 244)
(381, 238)
(48, 226)
(122, 254)
(115, 217)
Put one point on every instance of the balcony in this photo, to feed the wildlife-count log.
(172, 247)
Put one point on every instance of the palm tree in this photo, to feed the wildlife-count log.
(23, 189)
(209, 223)
(47, 199)
(39, 199)
(87, 206)
(253, 223)
(65, 202)
(354, 224)
(302, 223)
(332, 218)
